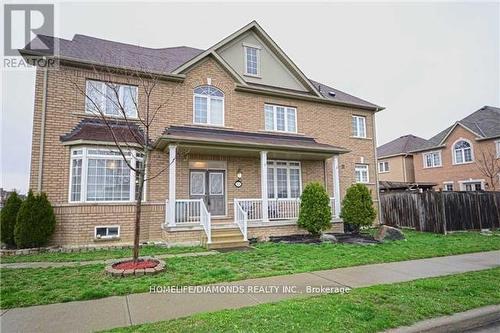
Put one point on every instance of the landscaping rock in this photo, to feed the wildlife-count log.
(386, 233)
(328, 238)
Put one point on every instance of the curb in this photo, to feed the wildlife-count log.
(457, 322)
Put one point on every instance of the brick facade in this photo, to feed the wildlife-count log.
(65, 107)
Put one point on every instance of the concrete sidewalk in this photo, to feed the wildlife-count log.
(87, 316)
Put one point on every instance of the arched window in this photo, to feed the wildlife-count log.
(208, 106)
(462, 151)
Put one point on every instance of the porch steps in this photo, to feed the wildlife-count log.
(225, 238)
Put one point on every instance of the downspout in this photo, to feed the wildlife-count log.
(377, 186)
(42, 130)
(404, 168)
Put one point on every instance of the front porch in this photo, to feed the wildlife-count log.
(222, 189)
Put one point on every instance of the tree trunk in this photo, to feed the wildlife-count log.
(138, 207)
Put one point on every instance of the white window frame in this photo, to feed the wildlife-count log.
(497, 145)
(384, 169)
(258, 54)
(209, 107)
(463, 183)
(89, 105)
(364, 166)
(454, 156)
(275, 118)
(84, 174)
(448, 183)
(272, 164)
(424, 159)
(360, 124)
(107, 230)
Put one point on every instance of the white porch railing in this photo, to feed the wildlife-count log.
(241, 219)
(278, 209)
(191, 211)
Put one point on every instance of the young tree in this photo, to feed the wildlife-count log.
(488, 164)
(357, 207)
(8, 217)
(315, 213)
(102, 93)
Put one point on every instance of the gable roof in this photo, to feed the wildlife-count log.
(173, 61)
(483, 123)
(400, 146)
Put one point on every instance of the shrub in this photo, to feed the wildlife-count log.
(315, 212)
(357, 207)
(8, 217)
(35, 222)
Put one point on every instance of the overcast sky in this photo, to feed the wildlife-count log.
(428, 63)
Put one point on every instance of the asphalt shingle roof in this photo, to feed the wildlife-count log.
(401, 145)
(94, 129)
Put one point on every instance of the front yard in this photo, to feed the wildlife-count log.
(369, 309)
(26, 287)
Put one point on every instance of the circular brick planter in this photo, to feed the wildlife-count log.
(117, 272)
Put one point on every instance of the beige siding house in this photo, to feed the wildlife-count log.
(242, 133)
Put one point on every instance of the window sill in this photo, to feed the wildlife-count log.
(464, 163)
(282, 132)
(360, 137)
(97, 116)
(208, 125)
(434, 167)
(106, 239)
(255, 76)
(383, 172)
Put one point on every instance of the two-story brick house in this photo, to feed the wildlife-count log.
(242, 132)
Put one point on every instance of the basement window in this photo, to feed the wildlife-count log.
(107, 232)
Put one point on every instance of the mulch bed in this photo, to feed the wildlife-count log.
(136, 265)
(309, 239)
(144, 266)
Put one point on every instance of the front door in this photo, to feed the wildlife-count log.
(209, 185)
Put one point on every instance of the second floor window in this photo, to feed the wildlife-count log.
(359, 126)
(462, 152)
(111, 99)
(361, 172)
(208, 106)
(280, 118)
(432, 159)
(383, 167)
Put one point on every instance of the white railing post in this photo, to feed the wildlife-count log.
(263, 185)
(336, 186)
(209, 229)
(172, 153)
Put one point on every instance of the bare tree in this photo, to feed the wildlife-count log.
(489, 165)
(117, 104)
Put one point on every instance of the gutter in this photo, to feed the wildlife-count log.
(42, 129)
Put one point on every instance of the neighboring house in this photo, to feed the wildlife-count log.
(243, 134)
(395, 162)
(451, 157)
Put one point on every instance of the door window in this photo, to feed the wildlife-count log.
(216, 183)
(197, 186)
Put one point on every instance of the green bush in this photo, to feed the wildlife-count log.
(357, 207)
(35, 222)
(315, 213)
(8, 217)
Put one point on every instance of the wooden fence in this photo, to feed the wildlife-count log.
(440, 212)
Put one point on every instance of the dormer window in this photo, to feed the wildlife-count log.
(208, 106)
(252, 60)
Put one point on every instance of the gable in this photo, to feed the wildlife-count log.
(273, 72)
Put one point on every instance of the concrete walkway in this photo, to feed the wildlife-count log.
(47, 264)
(106, 313)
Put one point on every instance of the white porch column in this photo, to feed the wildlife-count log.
(263, 184)
(172, 153)
(336, 185)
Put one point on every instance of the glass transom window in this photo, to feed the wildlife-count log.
(102, 175)
(252, 60)
(463, 152)
(111, 99)
(283, 179)
(280, 118)
(208, 106)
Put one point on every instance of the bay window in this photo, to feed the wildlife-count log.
(208, 106)
(283, 179)
(111, 99)
(102, 175)
(280, 118)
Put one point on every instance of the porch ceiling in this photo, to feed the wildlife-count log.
(237, 143)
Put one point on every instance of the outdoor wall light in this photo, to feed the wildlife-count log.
(238, 182)
(238, 174)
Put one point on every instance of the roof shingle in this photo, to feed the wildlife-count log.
(401, 145)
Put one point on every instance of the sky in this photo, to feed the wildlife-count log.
(428, 63)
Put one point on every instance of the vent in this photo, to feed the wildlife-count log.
(331, 93)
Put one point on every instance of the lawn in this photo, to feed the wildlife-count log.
(370, 309)
(25, 287)
(98, 254)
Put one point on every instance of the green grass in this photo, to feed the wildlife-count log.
(98, 254)
(25, 287)
(370, 309)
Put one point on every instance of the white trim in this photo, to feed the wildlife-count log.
(258, 51)
(462, 183)
(209, 107)
(107, 229)
(453, 127)
(336, 185)
(386, 170)
(263, 185)
(452, 183)
(424, 159)
(497, 146)
(358, 118)
(453, 153)
(172, 160)
(362, 165)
